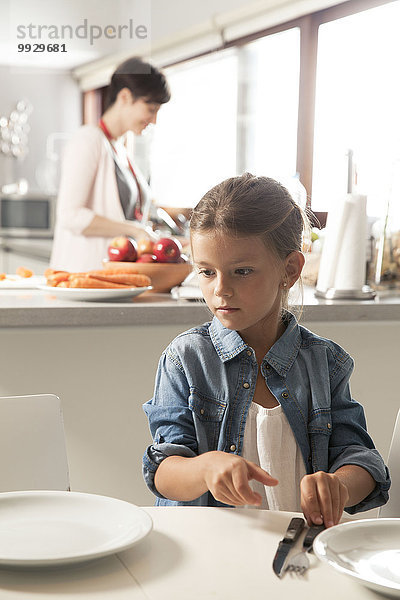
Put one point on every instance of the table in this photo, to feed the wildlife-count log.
(226, 554)
(193, 553)
(104, 579)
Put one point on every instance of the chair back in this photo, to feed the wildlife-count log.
(32, 444)
(392, 507)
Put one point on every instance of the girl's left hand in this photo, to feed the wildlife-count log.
(323, 498)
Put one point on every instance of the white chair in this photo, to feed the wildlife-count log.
(392, 508)
(32, 444)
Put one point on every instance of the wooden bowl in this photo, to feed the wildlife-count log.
(164, 276)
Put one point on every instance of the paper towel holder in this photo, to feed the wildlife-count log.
(365, 293)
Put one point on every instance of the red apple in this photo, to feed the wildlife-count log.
(146, 258)
(166, 250)
(122, 249)
(145, 246)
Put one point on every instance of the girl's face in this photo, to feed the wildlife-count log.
(242, 281)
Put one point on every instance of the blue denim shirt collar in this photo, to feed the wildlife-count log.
(228, 344)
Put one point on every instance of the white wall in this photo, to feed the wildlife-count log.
(56, 101)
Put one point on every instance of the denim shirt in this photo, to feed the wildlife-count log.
(205, 384)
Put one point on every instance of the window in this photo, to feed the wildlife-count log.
(293, 98)
(357, 106)
(269, 80)
(230, 112)
(194, 144)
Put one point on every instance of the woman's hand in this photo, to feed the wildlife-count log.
(227, 477)
(323, 498)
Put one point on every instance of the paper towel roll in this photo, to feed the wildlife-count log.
(343, 259)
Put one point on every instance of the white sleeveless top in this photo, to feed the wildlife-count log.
(270, 443)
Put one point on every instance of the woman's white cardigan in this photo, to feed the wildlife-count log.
(88, 187)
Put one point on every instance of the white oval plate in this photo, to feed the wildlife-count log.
(15, 282)
(367, 550)
(49, 528)
(92, 294)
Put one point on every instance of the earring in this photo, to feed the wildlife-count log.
(284, 284)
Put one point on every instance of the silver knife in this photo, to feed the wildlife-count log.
(310, 537)
(293, 531)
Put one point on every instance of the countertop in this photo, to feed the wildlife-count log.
(35, 308)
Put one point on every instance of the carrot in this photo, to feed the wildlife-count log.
(2, 276)
(128, 271)
(24, 272)
(131, 279)
(57, 277)
(107, 272)
(49, 272)
(90, 282)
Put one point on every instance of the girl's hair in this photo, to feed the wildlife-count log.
(142, 79)
(246, 206)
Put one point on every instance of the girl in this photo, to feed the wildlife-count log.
(252, 408)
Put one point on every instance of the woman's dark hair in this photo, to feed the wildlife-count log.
(142, 79)
(246, 206)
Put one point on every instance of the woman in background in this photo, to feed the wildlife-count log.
(101, 194)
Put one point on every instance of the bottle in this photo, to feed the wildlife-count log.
(384, 271)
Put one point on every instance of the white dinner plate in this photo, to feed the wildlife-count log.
(44, 529)
(15, 282)
(367, 550)
(92, 294)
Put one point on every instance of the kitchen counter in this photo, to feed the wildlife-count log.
(34, 308)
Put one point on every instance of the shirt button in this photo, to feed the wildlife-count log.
(268, 367)
(249, 353)
(285, 395)
(246, 385)
(232, 448)
(202, 411)
(329, 425)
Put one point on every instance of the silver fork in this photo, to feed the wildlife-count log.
(299, 563)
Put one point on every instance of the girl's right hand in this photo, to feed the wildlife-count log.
(227, 477)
